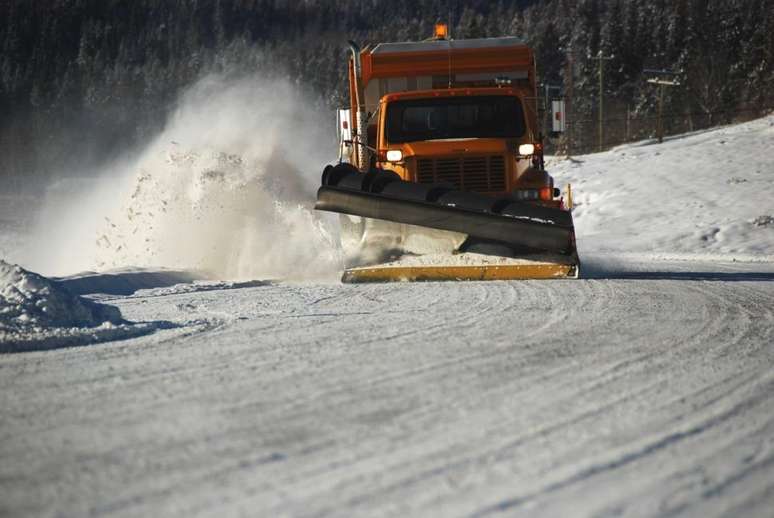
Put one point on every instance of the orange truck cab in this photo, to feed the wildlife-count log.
(459, 112)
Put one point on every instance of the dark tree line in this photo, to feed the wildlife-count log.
(87, 78)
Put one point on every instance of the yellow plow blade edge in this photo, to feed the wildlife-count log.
(460, 273)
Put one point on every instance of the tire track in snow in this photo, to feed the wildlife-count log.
(633, 455)
(707, 334)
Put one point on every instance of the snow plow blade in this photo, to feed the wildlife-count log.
(384, 196)
(460, 273)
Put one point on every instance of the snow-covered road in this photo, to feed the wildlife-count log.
(633, 393)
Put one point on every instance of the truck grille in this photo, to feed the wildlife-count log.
(477, 174)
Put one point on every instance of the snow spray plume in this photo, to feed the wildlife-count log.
(228, 187)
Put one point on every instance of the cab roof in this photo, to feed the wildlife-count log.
(445, 45)
(451, 92)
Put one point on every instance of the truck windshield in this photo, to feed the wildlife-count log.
(455, 117)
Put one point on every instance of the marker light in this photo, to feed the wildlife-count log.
(527, 149)
(394, 155)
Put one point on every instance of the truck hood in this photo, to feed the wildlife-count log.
(446, 147)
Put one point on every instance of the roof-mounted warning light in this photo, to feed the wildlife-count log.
(441, 31)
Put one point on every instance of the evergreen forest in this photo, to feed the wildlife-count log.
(86, 79)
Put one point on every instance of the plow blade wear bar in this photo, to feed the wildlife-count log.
(383, 195)
(460, 273)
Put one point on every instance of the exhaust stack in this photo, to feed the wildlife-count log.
(361, 122)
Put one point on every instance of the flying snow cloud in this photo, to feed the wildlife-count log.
(228, 188)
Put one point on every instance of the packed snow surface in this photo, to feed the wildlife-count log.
(649, 395)
(644, 389)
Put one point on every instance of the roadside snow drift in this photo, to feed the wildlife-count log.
(705, 196)
(37, 313)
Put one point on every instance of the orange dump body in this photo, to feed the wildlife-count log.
(444, 57)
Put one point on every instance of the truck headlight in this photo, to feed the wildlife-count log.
(526, 149)
(394, 155)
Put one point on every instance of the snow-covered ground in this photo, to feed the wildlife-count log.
(707, 195)
(644, 389)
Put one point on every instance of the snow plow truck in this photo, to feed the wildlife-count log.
(441, 173)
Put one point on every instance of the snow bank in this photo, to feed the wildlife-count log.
(705, 196)
(37, 313)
